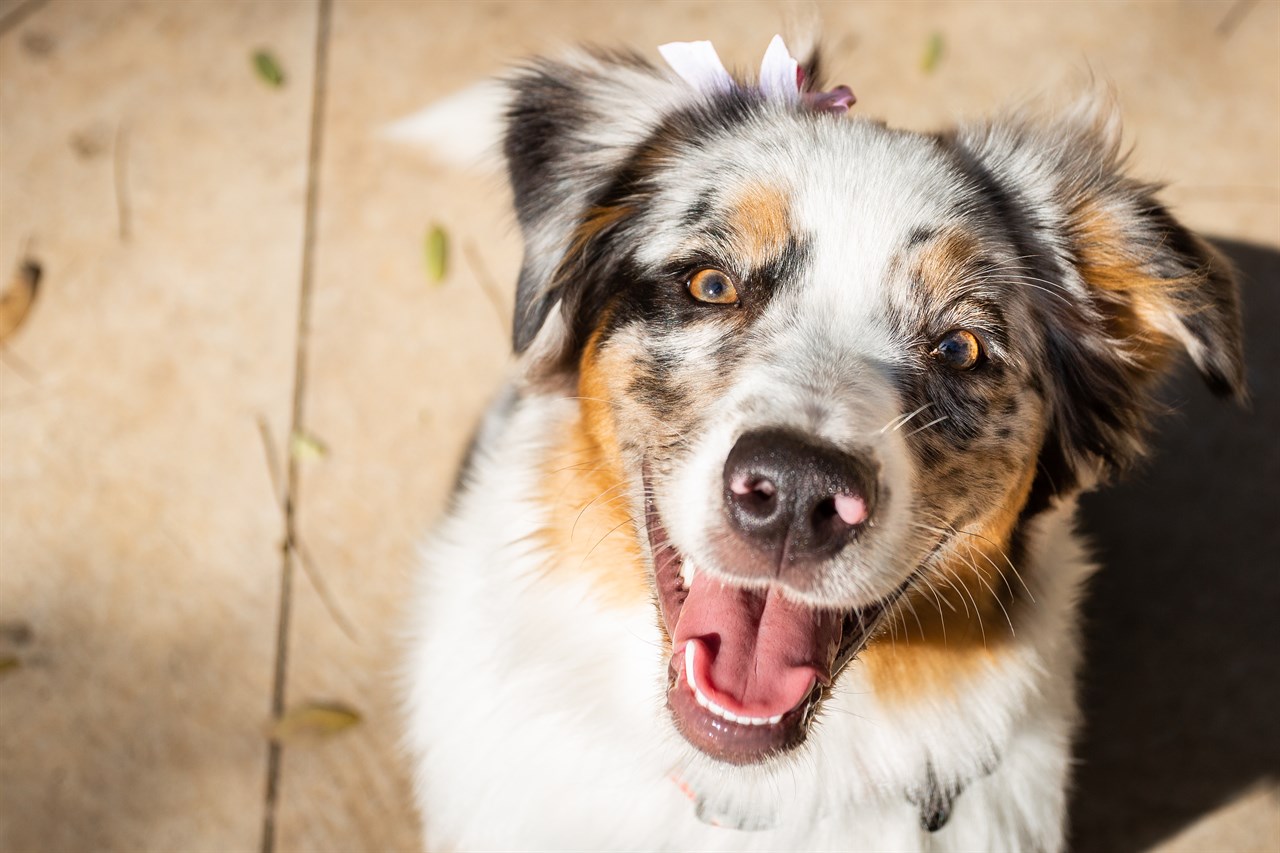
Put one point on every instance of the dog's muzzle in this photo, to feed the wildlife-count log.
(750, 662)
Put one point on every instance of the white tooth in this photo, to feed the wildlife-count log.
(690, 656)
(774, 719)
(687, 572)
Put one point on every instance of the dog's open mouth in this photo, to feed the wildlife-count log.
(748, 667)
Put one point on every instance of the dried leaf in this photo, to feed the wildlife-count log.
(315, 718)
(9, 663)
(18, 297)
(268, 68)
(437, 254)
(933, 50)
(306, 447)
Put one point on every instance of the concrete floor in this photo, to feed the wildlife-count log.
(228, 262)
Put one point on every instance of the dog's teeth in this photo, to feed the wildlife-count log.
(686, 574)
(690, 654)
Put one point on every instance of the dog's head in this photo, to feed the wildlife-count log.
(823, 357)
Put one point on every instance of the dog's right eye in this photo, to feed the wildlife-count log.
(713, 286)
(959, 349)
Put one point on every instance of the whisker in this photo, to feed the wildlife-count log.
(902, 419)
(933, 422)
(1003, 554)
(977, 611)
(587, 506)
(612, 530)
(1000, 603)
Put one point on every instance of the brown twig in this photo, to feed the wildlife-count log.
(18, 366)
(273, 460)
(19, 14)
(124, 213)
(317, 581)
(291, 541)
(486, 283)
(1235, 15)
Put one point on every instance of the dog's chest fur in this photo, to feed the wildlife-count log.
(538, 705)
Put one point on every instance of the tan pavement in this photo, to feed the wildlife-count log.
(164, 187)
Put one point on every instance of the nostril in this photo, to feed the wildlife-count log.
(744, 485)
(753, 493)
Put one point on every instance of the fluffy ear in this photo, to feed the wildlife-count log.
(571, 127)
(1123, 285)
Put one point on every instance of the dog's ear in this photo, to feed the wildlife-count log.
(571, 127)
(1120, 285)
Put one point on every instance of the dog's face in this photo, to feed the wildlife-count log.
(833, 365)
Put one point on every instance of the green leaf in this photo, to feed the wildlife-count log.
(437, 254)
(933, 51)
(315, 718)
(268, 68)
(304, 446)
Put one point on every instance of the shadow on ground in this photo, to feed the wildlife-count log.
(1181, 683)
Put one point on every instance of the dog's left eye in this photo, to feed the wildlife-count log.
(958, 349)
(713, 286)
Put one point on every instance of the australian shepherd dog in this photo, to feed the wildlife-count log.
(769, 543)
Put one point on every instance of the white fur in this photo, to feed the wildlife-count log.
(537, 720)
(462, 129)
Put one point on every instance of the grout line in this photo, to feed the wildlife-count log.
(20, 14)
(318, 92)
(1234, 16)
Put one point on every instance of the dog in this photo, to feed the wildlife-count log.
(769, 543)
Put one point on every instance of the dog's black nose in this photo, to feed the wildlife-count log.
(795, 499)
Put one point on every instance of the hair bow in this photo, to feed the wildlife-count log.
(781, 77)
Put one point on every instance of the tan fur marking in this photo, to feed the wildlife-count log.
(760, 220)
(944, 260)
(595, 222)
(929, 652)
(589, 526)
(1132, 297)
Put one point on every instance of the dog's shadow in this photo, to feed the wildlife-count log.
(1181, 680)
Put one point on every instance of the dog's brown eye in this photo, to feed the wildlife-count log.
(958, 350)
(714, 286)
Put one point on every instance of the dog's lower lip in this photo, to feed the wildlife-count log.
(735, 742)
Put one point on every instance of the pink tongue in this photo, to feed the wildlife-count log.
(765, 651)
